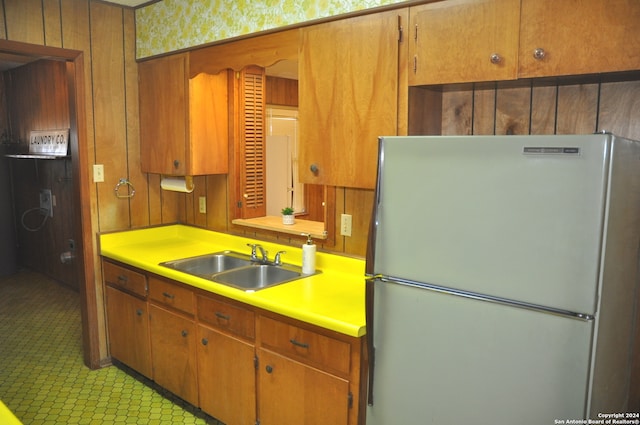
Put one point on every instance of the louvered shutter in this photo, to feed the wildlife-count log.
(252, 142)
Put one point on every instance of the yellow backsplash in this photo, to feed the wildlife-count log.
(171, 25)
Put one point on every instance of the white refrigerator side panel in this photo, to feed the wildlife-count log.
(617, 309)
(479, 215)
(448, 360)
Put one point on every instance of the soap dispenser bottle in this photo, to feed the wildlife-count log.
(308, 256)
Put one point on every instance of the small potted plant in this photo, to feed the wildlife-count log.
(287, 216)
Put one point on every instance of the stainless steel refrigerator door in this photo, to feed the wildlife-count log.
(448, 360)
(519, 217)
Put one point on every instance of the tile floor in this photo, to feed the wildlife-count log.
(43, 380)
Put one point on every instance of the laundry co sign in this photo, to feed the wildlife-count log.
(49, 142)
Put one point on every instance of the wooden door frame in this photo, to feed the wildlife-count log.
(82, 230)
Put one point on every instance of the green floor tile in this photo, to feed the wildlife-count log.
(44, 380)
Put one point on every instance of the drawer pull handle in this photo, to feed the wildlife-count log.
(205, 341)
(298, 343)
(122, 278)
(168, 295)
(222, 316)
(184, 333)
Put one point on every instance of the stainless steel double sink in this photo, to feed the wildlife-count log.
(236, 270)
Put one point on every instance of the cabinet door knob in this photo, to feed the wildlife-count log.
(205, 341)
(314, 169)
(539, 54)
(269, 369)
(184, 333)
(495, 58)
(176, 164)
(139, 312)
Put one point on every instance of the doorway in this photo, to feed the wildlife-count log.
(15, 54)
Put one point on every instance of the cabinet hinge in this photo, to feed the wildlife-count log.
(255, 362)
(400, 29)
(415, 34)
(258, 422)
(350, 399)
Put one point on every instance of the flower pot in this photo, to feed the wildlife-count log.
(288, 219)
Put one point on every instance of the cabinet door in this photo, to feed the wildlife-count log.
(163, 115)
(463, 40)
(291, 393)
(173, 353)
(128, 327)
(226, 378)
(348, 97)
(590, 36)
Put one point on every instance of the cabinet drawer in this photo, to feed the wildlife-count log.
(169, 294)
(305, 345)
(226, 316)
(124, 278)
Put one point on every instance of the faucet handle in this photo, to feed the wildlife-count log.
(276, 259)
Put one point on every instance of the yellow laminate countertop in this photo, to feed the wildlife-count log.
(332, 299)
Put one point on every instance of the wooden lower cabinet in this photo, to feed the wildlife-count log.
(129, 330)
(226, 377)
(173, 353)
(292, 393)
(239, 364)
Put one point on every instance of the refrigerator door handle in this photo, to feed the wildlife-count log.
(488, 298)
(369, 304)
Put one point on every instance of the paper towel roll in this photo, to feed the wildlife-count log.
(177, 184)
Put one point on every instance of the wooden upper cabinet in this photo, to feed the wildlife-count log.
(348, 97)
(459, 41)
(184, 123)
(590, 36)
(463, 40)
(264, 50)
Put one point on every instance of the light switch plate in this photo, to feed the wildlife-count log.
(98, 173)
(202, 204)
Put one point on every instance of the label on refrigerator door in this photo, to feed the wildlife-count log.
(547, 150)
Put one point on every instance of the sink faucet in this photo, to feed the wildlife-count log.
(254, 254)
(265, 255)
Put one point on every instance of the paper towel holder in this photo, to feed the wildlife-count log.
(184, 183)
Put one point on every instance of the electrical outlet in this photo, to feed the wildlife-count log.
(202, 204)
(98, 173)
(345, 224)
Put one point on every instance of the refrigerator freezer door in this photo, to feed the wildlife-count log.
(449, 360)
(518, 217)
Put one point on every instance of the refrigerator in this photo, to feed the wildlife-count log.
(502, 279)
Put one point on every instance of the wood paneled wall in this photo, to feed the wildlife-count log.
(105, 33)
(569, 106)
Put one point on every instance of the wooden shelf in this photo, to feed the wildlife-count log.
(300, 227)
